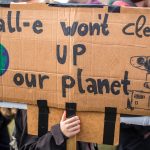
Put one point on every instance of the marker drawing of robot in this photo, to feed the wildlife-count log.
(140, 99)
(142, 63)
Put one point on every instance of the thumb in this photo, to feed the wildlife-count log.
(63, 118)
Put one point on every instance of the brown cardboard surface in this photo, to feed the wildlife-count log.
(92, 124)
(119, 60)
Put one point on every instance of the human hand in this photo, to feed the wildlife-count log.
(69, 126)
(147, 135)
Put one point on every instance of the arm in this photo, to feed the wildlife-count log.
(55, 139)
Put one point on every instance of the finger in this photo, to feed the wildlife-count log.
(63, 118)
(74, 133)
(74, 128)
(70, 120)
(146, 135)
(73, 124)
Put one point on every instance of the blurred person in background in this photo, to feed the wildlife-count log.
(6, 116)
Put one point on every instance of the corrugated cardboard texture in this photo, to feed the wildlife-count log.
(92, 124)
(105, 68)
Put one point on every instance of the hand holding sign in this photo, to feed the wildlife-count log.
(70, 127)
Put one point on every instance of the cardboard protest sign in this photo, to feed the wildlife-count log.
(95, 56)
(85, 55)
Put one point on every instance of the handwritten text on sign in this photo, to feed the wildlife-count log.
(95, 86)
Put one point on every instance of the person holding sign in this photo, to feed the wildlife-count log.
(52, 140)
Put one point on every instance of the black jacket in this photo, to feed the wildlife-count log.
(4, 135)
(132, 137)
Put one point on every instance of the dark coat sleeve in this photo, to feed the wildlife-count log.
(4, 135)
(132, 137)
(52, 140)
